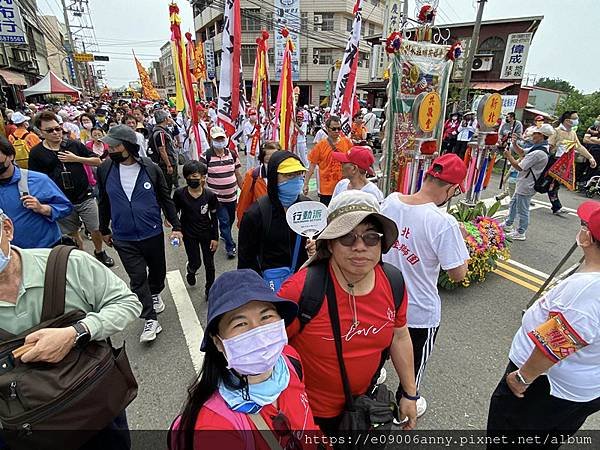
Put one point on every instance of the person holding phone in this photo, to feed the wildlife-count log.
(63, 161)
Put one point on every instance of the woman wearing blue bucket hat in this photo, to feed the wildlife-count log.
(250, 387)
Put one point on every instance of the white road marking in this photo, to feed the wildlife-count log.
(192, 330)
(571, 211)
(527, 268)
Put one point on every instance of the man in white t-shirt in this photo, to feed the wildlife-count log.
(429, 239)
(370, 120)
(552, 382)
(356, 165)
(249, 130)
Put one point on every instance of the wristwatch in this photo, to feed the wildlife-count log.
(521, 379)
(83, 335)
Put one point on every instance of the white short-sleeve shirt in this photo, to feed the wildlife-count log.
(428, 239)
(371, 188)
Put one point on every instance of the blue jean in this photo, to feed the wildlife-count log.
(226, 216)
(519, 205)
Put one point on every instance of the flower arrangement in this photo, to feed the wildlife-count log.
(486, 242)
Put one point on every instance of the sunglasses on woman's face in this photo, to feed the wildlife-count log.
(370, 238)
(53, 130)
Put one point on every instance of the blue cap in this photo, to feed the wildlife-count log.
(238, 287)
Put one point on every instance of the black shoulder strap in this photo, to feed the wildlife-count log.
(313, 293)
(266, 215)
(208, 155)
(396, 280)
(55, 282)
(337, 337)
(297, 366)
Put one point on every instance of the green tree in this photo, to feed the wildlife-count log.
(556, 84)
(586, 105)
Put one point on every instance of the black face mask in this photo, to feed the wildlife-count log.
(3, 168)
(194, 184)
(117, 157)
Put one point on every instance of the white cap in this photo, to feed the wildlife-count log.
(545, 129)
(18, 118)
(216, 132)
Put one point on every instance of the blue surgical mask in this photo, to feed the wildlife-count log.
(574, 122)
(4, 259)
(290, 190)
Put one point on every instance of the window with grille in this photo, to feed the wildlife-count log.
(303, 55)
(251, 20)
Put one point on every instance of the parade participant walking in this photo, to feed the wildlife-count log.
(86, 124)
(299, 138)
(563, 137)
(132, 192)
(530, 168)
(552, 382)
(538, 122)
(450, 133)
(108, 304)
(509, 129)
(429, 239)
(249, 132)
(255, 180)
(358, 133)
(251, 382)
(371, 308)
(223, 179)
(95, 145)
(63, 162)
(32, 200)
(131, 122)
(22, 139)
(199, 225)
(267, 244)
(162, 149)
(356, 165)
(466, 130)
(330, 170)
(370, 120)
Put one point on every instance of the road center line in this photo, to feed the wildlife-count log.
(527, 268)
(192, 330)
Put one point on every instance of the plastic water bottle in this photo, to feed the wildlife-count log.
(175, 242)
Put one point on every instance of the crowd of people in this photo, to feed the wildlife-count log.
(296, 338)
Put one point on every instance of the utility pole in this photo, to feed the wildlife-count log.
(71, 44)
(464, 92)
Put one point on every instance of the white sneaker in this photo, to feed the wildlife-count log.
(421, 406)
(159, 305)
(516, 236)
(151, 329)
(506, 227)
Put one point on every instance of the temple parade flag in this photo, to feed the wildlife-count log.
(148, 91)
(185, 98)
(261, 90)
(200, 69)
(284, 109)
(232, 101)
(563, 170)
(345, 88)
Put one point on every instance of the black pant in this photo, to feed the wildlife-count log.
(115, 436)
(423, 340)
(536, 413)
(325, 199)
(172, 180)
(461, 148)
(144, 262)
(192, 249)
(448, 145)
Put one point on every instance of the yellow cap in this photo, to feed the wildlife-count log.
(290, 165)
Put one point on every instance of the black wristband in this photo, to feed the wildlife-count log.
(410, 397)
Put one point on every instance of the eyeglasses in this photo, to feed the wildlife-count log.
(370, 238)
(457, 192)
(282, 428)
(335, 128)
(53, 130)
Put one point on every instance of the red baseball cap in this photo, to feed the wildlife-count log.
(361, 156)
(589, 212)
(449, 168)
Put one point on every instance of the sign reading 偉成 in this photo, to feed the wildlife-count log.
(515, 56)
(209, 55)
(307, 218)
(11, 24)
(287, 14)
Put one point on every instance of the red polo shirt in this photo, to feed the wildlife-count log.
(362, 345)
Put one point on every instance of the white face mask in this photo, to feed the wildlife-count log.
(219, 144)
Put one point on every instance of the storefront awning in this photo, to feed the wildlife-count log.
(11, 77)
(496, 86)
(537, 112)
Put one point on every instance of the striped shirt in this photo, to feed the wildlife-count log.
(221, 175)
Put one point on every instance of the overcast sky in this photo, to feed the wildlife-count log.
(564, 45)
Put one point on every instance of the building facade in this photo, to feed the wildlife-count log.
(323, 32)
(57, 55)
(166, 70)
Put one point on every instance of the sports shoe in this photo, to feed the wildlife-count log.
(189, 276)
(231, 254)
(507, 228)
(104, 258)
(151, 329)
(159, 305)
(516, 236)
(559, 212)
(502, 196)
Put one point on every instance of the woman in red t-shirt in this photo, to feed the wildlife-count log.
(350, 249)
(251, 379)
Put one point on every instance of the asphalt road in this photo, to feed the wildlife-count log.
(469, 358)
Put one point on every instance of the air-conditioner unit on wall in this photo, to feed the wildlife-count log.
(483, 63)
(318, 19)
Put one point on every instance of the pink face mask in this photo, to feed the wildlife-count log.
(256, 351)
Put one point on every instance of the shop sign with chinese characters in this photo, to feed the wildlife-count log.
(515, 56)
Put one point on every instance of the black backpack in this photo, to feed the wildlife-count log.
(152, 151)
(315, 286)
(543, 182)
